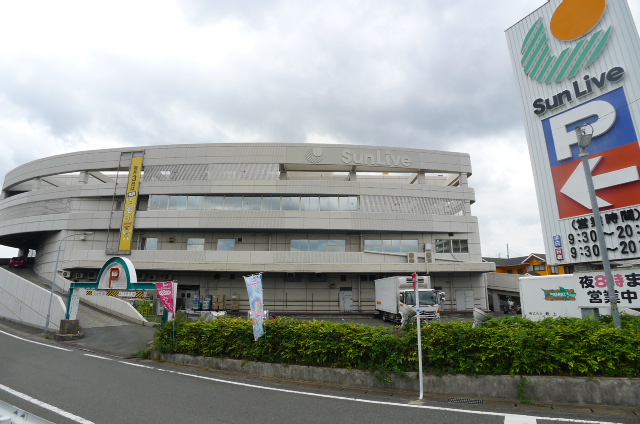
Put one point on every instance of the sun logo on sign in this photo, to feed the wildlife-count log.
(572, 20)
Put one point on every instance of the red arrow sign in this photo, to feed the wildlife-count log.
(615, 176)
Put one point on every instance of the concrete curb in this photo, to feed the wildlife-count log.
(568, 390)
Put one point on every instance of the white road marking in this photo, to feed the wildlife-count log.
(31, 341)
(519, 419)
(509, 418)
(99, 357)
(45, 405)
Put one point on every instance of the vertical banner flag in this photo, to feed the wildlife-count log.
(130, 204)
(167, 295)
(254, 290)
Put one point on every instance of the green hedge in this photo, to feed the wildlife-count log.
(565, 346)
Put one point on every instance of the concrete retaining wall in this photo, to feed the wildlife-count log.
(570, 390)
(114, 306)
(24, 301)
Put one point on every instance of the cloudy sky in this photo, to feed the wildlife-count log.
(80, 75)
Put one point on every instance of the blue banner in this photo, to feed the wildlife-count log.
(254, 290)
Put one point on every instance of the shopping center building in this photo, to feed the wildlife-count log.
(320, 222)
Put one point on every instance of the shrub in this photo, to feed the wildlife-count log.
(510, 345)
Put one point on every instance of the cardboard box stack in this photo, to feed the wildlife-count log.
(219, 302)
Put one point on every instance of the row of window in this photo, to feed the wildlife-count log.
(254, 203)
(387, 246)
(391, 246)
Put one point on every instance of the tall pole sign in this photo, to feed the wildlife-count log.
(576, 63)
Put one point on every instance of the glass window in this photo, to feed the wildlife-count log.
(271, 204)
(336, 246)
(391, 246)
(313, 245)
(153, 202)
(159, 202)
(343, 203)
(150, 243)
(322, 245)
(215, 202)
(407, 246)
(329, 204)
(373, 245)
(460, 246)
(177, 202)
(353, 203)
(226, 244)
(195, 244)
(195, 202)
(252, 203)
(233, 203)
(310, 203)
(295, 245)
(290, 203)
(443, 246)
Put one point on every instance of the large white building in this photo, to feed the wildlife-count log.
(321, 222)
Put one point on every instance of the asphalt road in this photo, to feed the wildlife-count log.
(37, 375)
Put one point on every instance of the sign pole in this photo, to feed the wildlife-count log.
(584, 140)
(414, 278)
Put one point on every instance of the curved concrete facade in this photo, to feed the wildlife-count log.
(321, 222)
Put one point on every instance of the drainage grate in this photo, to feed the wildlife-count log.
(466, 401)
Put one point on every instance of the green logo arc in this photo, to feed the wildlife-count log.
(540, 65)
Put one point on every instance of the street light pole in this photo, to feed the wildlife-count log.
(584, 140)
(55, 273)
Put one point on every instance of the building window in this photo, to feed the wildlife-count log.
(195, 202)
(227, 244)
(318, 245)
(177, 203)
(150, 243)
(452, 246)
(264, 203)
(215, 202)
(391, 246)
(555, 270)
(195, 244)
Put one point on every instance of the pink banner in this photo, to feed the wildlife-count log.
(167, 295)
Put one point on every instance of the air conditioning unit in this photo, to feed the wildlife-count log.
(428, 257)
(79, 275)
(167, 277)
(66, 274)
(411, 257)
(152, 277)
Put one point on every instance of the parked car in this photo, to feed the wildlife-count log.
(18, 262)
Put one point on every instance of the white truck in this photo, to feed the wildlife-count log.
(395, 299)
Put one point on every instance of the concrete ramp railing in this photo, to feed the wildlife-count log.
(26, 302)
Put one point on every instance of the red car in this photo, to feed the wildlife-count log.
(18, 262)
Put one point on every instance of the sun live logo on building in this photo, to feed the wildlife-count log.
(378, 158)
